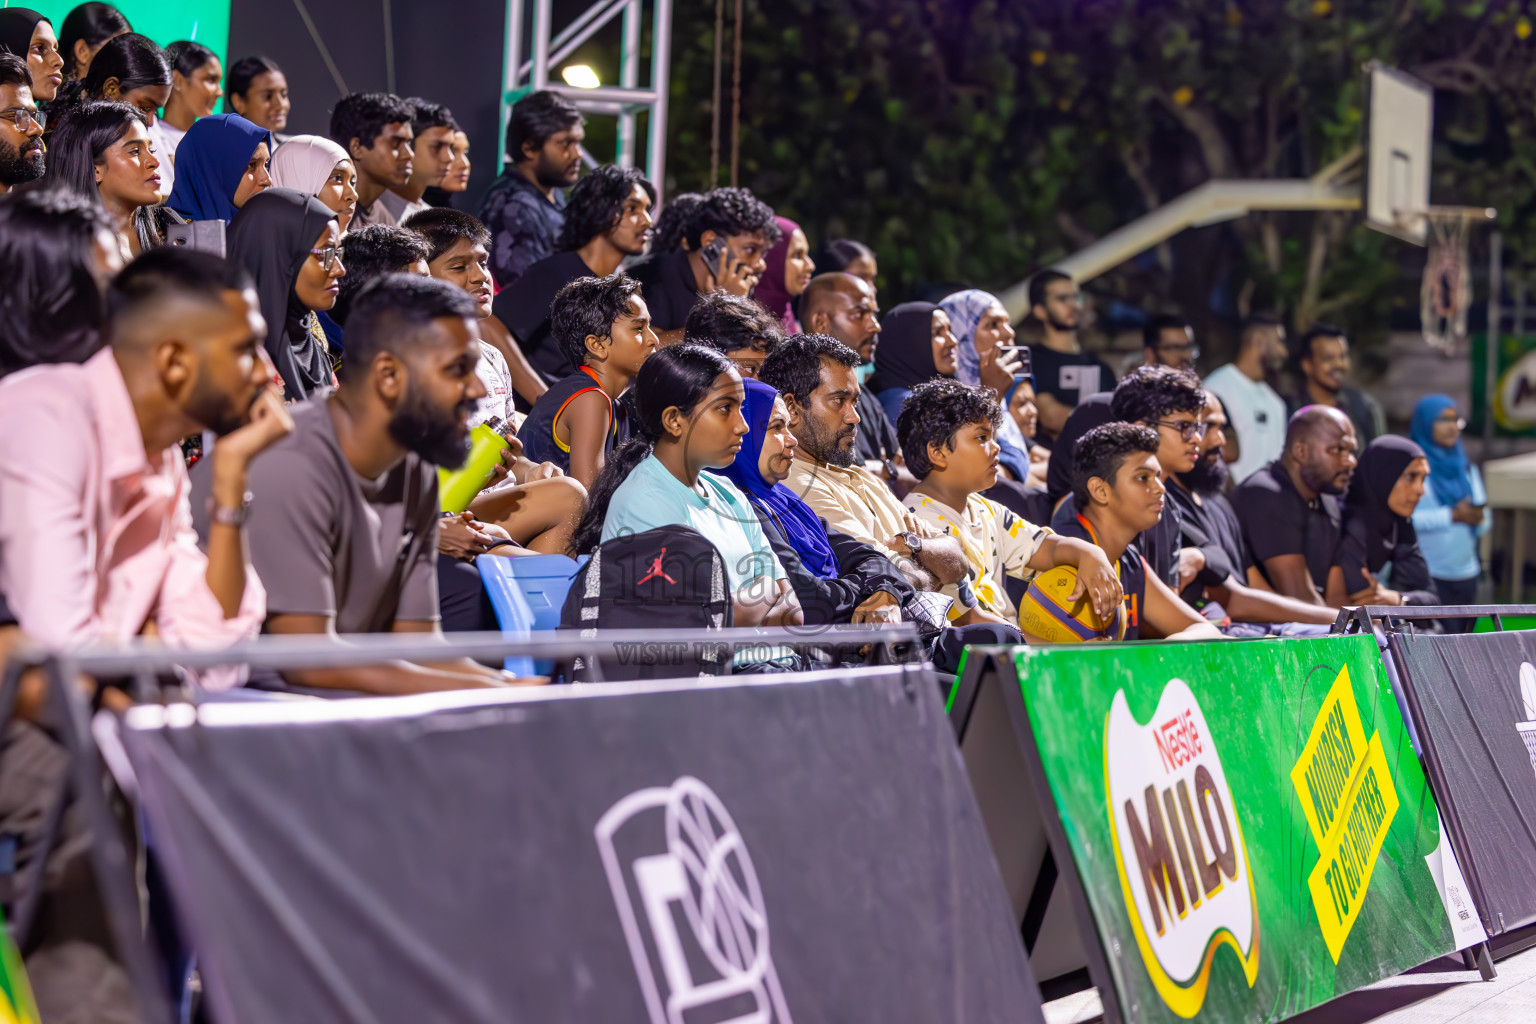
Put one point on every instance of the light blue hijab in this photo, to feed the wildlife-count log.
(965, 310)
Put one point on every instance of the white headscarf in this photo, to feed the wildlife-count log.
(305, 163)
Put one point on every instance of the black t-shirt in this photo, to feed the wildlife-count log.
(1159, 546)
(667, 284)
(876, 436)
(1132, 569)
(1093, 411)
(1208, 523)
(1276, 520)
(1361, 546)
(523, 307)
(1069, 377)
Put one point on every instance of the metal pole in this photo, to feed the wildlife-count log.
(1491, 344)
(510, 73)
(541, 14)
(661, 61)
(629, 78)
(110, 859)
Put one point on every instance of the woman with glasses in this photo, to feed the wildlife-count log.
(1451, 516)
(290, 243)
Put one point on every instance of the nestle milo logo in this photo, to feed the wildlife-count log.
(1178, 846)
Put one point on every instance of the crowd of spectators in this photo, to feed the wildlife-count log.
(246, 355)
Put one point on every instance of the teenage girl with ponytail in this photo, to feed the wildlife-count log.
(688, 404)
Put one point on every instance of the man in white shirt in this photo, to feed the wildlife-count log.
(1255, 411)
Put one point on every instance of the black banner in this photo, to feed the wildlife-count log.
(804, 849)
(1474, 699)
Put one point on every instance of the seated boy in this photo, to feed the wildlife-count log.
(1117, 488)
(743, 331)
(459, 252)
(530, 503)
(604, 328)
(948, 431)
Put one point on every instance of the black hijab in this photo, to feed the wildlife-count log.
(1381, 464)
(904, 356)
(271, 237)
(1091, 412)
(16, 27)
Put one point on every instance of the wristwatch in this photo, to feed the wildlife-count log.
(221, 516)
(914, 543)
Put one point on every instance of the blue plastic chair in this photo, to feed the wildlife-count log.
(527, 593)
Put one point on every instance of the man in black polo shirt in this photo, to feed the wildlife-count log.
(842, 306)
(1289, 510)
(607, 218)
(728, 241)
(1220, 589)
(1116, 484)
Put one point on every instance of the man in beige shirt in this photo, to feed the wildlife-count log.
(815, 374)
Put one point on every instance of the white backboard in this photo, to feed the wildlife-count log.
(1399, 122)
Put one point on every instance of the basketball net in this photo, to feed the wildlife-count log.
(1446, 292)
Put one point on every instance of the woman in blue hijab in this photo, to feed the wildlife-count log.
(221, 162)
(1450, 517)
(836, 578)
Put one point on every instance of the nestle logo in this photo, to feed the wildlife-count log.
(1178, 741)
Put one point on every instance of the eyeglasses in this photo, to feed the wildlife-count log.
(1188, 431)
(327, 256)
(1186, 348)
(23, 118)
(1461, 424)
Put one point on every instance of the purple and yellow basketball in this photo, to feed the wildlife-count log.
(1048, 616)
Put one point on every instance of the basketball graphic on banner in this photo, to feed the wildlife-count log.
(673, 856)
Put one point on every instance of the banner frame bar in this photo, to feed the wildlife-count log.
(995, 664)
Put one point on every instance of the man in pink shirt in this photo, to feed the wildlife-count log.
(96, 538)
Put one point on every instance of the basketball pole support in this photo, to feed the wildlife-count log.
(1210, 203)
(625, 101)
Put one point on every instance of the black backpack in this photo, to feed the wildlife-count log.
(662, 580)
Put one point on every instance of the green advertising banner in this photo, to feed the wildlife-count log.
(201, 21)
(1514, 390)
(1251, 826)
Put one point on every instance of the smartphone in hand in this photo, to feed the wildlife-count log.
(711, 254)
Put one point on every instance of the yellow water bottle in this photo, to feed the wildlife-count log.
(456, 488)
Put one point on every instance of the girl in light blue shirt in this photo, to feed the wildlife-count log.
(688, 402)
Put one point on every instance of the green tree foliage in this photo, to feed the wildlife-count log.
(971, 141)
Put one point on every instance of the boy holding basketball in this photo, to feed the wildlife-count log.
(1118, 491)
(948, 433)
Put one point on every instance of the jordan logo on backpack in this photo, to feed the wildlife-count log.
(656, 570)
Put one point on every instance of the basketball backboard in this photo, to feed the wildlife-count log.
(1399, 122)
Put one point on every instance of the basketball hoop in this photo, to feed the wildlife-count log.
(1446, 293)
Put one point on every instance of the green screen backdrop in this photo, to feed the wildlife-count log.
(1251, 825)
(164, 21)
